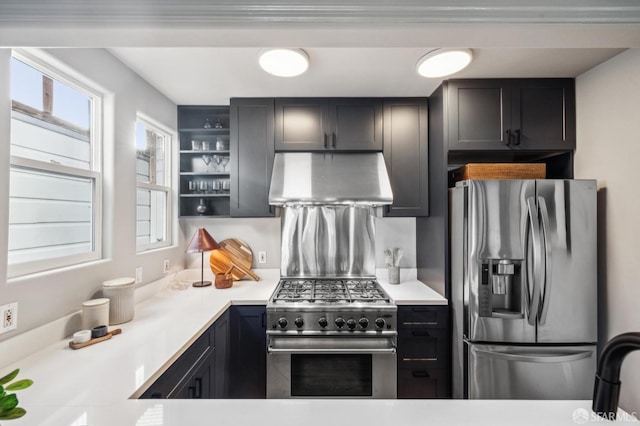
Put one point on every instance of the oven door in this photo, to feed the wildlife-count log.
(331, 366)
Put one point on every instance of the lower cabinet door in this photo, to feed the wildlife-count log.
(197, 385)
(422, 383)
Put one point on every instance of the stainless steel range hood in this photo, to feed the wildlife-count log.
(305, 178)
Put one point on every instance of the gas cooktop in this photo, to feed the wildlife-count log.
(329, 291)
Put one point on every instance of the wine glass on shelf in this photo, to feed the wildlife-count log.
(224, 162)
(217, 160)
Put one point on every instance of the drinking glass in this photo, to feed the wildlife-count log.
(224, 162)
(217, 159)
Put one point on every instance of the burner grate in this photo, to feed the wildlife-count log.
(330, 291)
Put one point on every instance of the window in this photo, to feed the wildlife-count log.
(153, 195)
(55, 176)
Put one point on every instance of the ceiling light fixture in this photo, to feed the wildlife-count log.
(443, 62)
(284, 62)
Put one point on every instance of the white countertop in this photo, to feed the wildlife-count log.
(92, 386)
(409, 291)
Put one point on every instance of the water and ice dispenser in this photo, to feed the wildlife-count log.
(500, 290)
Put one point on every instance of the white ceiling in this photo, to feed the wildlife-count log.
(212, 75)
(205, 51)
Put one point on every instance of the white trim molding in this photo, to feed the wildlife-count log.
(306, 11)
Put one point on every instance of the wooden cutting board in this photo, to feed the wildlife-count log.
(234, 257)
(239, 251)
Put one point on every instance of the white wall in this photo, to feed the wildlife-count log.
(47, 296)
(608, 133)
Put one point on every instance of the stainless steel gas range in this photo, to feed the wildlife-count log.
(331, 328)
(331, 338)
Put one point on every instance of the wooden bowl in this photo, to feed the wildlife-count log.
(223, 281)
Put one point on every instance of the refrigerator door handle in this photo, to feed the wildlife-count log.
(536, 358)
(546, 228)
(538, 267)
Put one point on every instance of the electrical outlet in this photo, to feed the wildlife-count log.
(138, 274)
(9, 317)
(262, 257)
(165, 266)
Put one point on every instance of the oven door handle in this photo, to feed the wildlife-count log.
(271, 349)
(328, 345)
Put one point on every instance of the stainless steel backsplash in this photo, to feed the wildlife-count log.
(327, 241)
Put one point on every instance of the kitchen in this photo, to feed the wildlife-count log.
(594, 159)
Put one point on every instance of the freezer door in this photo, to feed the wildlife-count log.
(530, 372)
(567, 311)
(496, 229)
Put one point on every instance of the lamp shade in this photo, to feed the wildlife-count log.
(202, 241)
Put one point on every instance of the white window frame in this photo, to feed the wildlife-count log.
(62, 73)
(151, 124)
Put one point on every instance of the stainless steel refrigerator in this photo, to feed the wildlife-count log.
(523, 277)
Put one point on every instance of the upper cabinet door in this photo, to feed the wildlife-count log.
(511, 115)
(479, 114)
(543, 114)
(252, 155)
(356, 124)
(406, 154)
(302, 124)
(322, 124)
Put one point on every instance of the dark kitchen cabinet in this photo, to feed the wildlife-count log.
(423, 352)
(174, 382)
(197, 384)
(220, 365)
(406, 154)
(511, 114)
(319, 124)
(252, 152)
(204, 160)
(248, 355)
(201, 371)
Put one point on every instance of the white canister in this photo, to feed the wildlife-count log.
(121, 293)
(95, 312)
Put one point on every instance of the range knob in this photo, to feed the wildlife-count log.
(351, 323)
(322, 322)
(380, 323)
(339, 322)
(298, 322)
(363, 322)
(282, 322)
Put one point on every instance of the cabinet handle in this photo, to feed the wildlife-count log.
(517, 142)
(410, 323)
(419, 374)
(419, 359)
(325, 140)
(333, 140)
(508, 139)
(192, 392)
(420, 333)
(198, 391)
